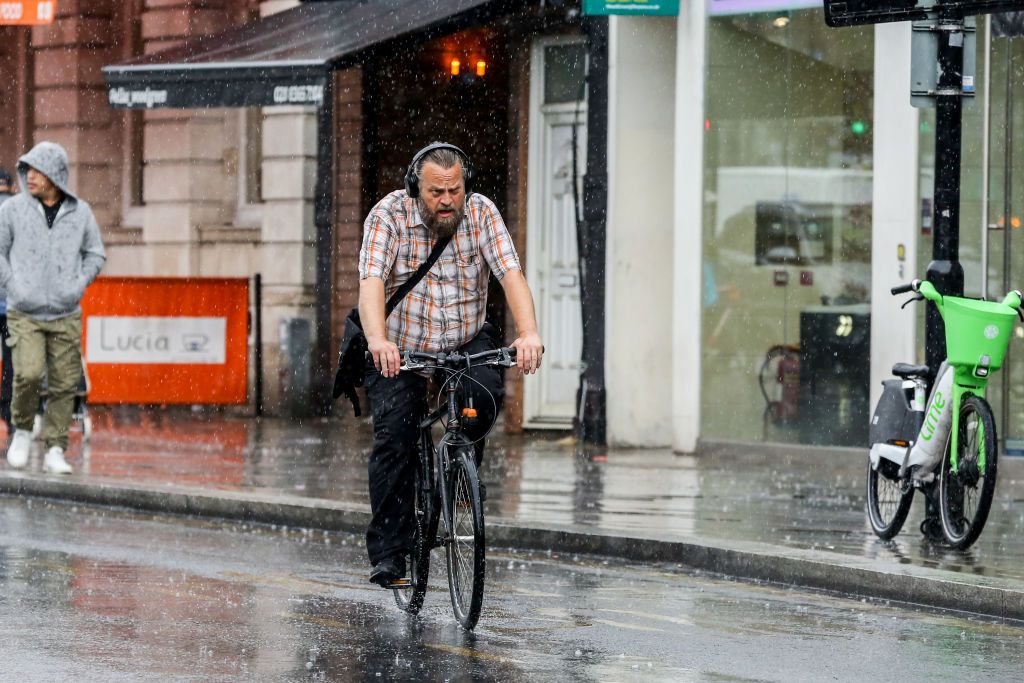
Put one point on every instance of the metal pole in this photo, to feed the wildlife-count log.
(1007, 227)
(323, 210)
(945, 271)
(591, 420)
(258, 322)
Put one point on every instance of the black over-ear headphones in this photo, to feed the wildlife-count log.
(412, 181)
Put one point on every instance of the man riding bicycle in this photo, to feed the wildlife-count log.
(445, 311)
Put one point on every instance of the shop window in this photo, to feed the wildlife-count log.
(564, 73)
(250, 167)
(787, 224)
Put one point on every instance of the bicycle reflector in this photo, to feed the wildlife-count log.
(469, 413)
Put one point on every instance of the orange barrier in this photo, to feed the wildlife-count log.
(167, 340)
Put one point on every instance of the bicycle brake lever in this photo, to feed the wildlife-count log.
(911, 300)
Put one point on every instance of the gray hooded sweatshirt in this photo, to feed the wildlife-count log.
(45, 270)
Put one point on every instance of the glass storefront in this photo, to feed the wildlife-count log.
(787, 227)
(1005, 241)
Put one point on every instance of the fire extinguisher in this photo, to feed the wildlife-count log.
(780, 383)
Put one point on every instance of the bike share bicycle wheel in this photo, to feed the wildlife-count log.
(466, 561)
(965, 496)
(889, 499)
(425, 516)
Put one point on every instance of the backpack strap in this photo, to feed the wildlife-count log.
(408, 285)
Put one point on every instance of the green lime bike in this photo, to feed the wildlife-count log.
(945, 447)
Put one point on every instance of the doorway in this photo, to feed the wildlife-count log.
(557, 161)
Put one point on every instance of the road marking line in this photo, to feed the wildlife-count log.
(466, 652)
(631, 627)
(647, 615)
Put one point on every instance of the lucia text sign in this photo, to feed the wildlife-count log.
(156, 340)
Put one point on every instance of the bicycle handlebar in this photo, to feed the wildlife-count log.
(903, 289)
(926, 290)
(415, 360)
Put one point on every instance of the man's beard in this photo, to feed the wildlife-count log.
(442, 227)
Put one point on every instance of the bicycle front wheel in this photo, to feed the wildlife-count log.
(426, 513)
(965, 495)
(466, 560)
(889, 499)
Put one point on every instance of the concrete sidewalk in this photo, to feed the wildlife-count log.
(792, 515)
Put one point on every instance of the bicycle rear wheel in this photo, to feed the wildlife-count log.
(965, 496)
(889, 499)
(466, 560)
(426, 513)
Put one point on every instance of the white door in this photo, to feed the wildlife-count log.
(557, 108)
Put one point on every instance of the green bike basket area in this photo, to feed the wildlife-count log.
(975, 329)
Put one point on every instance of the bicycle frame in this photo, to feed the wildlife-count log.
(434, 460)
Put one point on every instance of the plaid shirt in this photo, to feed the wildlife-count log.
(447, 307)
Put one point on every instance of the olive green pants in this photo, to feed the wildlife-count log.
(50, 350)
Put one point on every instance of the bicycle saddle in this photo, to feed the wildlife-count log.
(908, 371)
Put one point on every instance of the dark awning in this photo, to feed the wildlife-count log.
(283, 59)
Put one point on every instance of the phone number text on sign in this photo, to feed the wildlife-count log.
(27, 12)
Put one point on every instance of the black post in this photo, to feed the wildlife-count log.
(945, 271)
(591, 419)
(323, 209)
(257, 302)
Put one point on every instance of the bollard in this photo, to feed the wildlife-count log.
(296, 343)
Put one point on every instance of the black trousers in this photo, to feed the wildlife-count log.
(398, 404)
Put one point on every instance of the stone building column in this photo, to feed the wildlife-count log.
(287, 255)
(185, 182)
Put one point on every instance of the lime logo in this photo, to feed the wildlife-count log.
(845, 327)
(991, 332)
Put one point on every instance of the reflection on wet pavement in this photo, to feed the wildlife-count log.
(799, 498)
(88, 594)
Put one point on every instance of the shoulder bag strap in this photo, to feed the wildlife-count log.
(417, 276)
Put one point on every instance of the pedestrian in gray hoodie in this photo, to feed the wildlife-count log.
(50, 250)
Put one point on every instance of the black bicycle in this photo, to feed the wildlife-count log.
(447, 489)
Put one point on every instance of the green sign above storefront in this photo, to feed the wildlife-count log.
(662, 8)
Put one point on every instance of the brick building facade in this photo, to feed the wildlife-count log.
(229, 192)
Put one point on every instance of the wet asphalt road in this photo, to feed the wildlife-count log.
(92, 594)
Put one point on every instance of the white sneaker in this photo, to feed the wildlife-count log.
(54, 462)
(17, 452)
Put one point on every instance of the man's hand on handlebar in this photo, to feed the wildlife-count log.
(529, 352)
(385, 356)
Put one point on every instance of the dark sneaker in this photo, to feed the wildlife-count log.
(388, 570)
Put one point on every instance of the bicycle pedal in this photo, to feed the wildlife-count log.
(400, 583)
